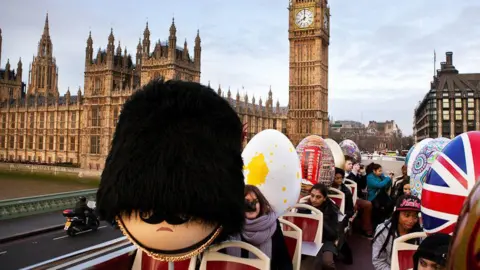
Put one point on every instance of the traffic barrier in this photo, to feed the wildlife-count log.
(28, 206)
(18, 236)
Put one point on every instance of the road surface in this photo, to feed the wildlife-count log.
(21, 225)
(36, 249)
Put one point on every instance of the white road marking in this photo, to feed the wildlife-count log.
(65, 236)
(3, 252)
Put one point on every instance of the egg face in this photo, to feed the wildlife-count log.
(271, 164)
(337, 153)
(316, 159)
(414, 154)
(349, 148)
(422, 163)
(450, 179)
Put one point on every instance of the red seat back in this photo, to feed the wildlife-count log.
(405, 260)
(291, 245)
(224, 265)
(337, 201)
(309, 227)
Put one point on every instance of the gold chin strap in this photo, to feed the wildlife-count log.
(164, 257)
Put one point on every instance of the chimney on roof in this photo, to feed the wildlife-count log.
(442, 65)
(449, 58)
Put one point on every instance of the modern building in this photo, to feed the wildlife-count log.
(38, 125)
(452, 105)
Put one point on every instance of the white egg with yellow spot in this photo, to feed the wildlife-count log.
(271, 164)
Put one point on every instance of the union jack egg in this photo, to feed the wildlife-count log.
(449, 181)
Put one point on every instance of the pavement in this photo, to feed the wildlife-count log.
(39, 248)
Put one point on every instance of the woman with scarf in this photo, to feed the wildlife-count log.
(262, 230)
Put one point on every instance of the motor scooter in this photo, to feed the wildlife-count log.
(75, 225)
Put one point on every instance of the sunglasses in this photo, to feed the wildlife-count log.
(156, 218)
(251, 206)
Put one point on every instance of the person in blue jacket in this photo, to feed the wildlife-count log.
(377, 185)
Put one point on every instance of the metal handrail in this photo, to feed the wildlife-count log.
(48, 197)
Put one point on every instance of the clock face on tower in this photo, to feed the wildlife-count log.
(304, 18)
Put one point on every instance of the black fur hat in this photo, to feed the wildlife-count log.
(176, 149)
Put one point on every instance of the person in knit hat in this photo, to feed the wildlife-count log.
(432, 252)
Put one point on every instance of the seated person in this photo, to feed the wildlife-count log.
(402, 185)
(338, 184)
(262, 230)
(318, 198)
(403, 221)
(362, 204)
(432, 252)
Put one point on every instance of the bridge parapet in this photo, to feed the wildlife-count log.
(27, 206)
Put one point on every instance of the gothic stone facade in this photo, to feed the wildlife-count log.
(38, 125)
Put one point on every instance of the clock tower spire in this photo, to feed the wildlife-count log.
(309, 36)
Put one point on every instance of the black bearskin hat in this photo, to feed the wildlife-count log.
(177, 150)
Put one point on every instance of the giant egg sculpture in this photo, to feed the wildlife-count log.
(337, 152)
(449, 181)
(271, 163)
(414, 153)
(422, 162)
(317, 162)
(351, 149)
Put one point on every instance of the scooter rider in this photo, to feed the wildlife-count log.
(81, 207)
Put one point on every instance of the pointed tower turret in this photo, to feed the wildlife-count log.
(185, 50)
(198, 51)
(45, 45)
(7, 70)
(0, 46)
(89, 51)
(19, 70)
(146, 41)
(172, 42)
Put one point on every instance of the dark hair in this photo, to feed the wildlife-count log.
(322, 188)
(265, 206)
(340, 171)
(372, 167)
(176, 149)
(348, 158)
(392, 230)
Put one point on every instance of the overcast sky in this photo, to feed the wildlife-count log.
(381, 52)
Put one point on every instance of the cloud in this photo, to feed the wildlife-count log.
(380, 58)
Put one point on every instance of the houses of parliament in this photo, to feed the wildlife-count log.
(38, 125)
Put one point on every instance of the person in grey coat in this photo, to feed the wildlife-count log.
(403, 221)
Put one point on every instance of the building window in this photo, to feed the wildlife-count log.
(50, 142)
(97, 87)
(12, 120)
(446, 115)
(73, 120)
(62, 143)
(458, 115)
(2, 141)
(20, 142)
(115, 116)
(42, 120)
(11, 142)
(10, 93)
(30, 142)
(22, 120)
(470, 103)
(40, 143)
(458, 103)
(31, 120)
(52, 120)
(62, 120)
(72, 143)
(96, 116)
(4, 121)
(446, 103)
(471, 115)
(95, 144)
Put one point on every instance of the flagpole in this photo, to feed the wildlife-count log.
(434, 62)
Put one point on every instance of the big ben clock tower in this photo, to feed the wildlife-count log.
(308, 33)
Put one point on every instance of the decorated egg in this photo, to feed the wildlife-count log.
(424, 159)
(449, 181)
(317, 162)
(464, 252)
(349, 148)
(337, 152)
(271, 163)
(407, 157)
(414, 154)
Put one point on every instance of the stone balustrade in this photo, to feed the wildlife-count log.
(34, 168)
